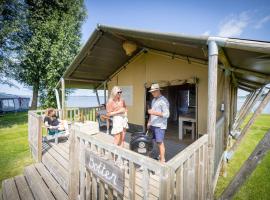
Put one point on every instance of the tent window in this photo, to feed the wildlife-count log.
(11, 103)
(5, 104)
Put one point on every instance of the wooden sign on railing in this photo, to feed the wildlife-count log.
(105, 170)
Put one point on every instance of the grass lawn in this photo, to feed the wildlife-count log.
(14, 150)
(258, 185)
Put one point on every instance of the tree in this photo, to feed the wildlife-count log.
(53, 41)
(12, 26)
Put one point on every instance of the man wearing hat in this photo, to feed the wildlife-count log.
(159, 114)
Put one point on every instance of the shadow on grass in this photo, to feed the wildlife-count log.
(10, 119)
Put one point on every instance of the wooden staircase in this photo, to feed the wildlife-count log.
(47, 180)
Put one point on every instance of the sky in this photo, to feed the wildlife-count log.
(246, 19)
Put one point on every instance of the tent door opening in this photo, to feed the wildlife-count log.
(182, 123)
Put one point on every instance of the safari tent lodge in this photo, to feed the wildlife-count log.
(200, 76)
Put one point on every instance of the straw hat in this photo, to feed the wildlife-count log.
(154, 87)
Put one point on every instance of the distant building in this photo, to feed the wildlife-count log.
(13, 103)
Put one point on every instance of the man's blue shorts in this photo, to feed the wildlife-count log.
(158, 134)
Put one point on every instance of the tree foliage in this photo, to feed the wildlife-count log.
(49, 40)
(12, 29)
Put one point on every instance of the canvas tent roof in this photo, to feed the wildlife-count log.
(11, 96)
(103, 55)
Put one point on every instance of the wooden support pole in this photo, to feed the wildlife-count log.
(226, 118)
(245, 110)
(105, 93)
(243, 105)
(212, 109)
(63, 98)
(241, 120)
(97, 97)
(235, 102)
(252, 120)
(227, 107)
(248, 167)
(246, 105)
(231, 106)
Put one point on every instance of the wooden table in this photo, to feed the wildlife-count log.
(186, 118)
(89, 127)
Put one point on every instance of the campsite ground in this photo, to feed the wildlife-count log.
(14, 150)
(15, 155)
(257, 186)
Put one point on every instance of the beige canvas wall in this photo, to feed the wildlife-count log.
(153, 67)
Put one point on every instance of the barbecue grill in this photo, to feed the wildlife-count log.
(141, 143)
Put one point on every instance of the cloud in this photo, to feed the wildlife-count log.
(234, 25)
(206, 33)
(262, 21)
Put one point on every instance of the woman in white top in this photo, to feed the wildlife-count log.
(116, 108)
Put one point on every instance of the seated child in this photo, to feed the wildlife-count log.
(53, 124)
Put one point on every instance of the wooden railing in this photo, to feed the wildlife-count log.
(35, 134)
(35, 123)
(189, 171)
(138, 176)
(88, 114)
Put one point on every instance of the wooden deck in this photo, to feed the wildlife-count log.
(49, 179)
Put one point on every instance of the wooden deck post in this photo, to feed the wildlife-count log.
(97, 97)
(40, 122)
(63, 98)
(227, 106)
(105, 94)
(252, 120)
(226, 117)
(212, 109)
(74, 165)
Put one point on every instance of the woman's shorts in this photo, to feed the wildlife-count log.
(119, 123)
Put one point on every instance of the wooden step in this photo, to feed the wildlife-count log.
(16, 188)
(56, 169)
(55, 188)
(37, 185)
(23, 188)
(10, 191)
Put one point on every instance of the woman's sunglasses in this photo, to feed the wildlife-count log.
(120, 92)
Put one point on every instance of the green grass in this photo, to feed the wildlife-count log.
(258, 184)
(14, 149)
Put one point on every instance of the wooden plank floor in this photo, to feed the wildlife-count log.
(36, 183)
(49, 179)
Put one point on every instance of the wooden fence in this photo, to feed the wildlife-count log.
(35, 124)
(35, 134)
(138, 176)
(189, 171)
(101, 170)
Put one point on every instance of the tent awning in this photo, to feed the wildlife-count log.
(103, 55)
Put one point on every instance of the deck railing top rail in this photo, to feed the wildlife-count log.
(182, 156)
(124, 153)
